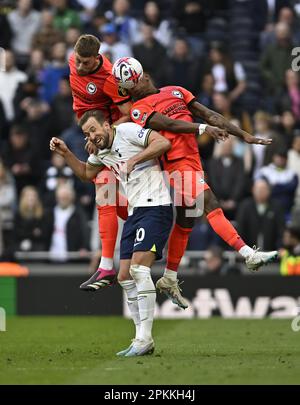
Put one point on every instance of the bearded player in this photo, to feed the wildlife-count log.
(160, 109)
(94, 87)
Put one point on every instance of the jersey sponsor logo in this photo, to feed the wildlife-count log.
(141, 133)
(91, 88)
(177, 93)
(122, 92)
(136, 114)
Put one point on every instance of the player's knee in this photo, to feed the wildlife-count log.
(124, 277)
(182, 219)
(139, 272)
(210, 202)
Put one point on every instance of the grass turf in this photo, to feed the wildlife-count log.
(81, 350)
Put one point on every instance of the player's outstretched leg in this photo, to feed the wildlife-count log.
(168, 284)
(130, 290)
(108, 229)
(146, 303)
(220, 224)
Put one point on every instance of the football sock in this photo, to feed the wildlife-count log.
(246, 251)
(106, 263)
(170, 274)
(224, 229)
(108, 229)
(129, 287)
(146, 298)
(177, 244)
(122, 207)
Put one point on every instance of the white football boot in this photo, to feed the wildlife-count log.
(140, 347)
(172, 290)
(258, 259)
(123, 352)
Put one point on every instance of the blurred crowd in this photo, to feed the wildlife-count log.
(238, 57)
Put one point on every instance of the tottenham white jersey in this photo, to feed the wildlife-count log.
(145, 186)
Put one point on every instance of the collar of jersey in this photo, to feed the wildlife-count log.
(98, 67)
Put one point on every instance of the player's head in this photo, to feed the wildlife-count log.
(143, 88)
(96, 128)
(86, 54)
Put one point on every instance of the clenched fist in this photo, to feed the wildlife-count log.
(58, 146)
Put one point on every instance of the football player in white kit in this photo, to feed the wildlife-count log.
(131, 152)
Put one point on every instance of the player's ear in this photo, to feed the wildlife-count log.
(106, 125)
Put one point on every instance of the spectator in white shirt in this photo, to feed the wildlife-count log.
(111, 43)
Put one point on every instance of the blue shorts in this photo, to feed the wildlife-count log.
(147, 229)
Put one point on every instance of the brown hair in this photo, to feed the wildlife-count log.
(87, 46)
(97, 114)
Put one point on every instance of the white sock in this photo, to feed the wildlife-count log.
(246, 251)
(106, 263)
(129, 286)
(171, 274)
(146, 298)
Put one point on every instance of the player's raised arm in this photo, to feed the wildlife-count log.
(156, 145)
(161, 122)
(216, 119)
(84, 171)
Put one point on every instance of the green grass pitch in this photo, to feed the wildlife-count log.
(81, 350)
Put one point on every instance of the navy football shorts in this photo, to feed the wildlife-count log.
(147, 229)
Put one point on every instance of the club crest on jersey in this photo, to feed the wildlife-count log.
(177, 93)
(136, 114)
(91, 88)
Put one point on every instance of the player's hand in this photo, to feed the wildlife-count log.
(58, 146)
(257, 141)
(126, 169)
(91, 148)
(217, 133)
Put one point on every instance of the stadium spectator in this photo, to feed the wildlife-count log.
(66, 226)
(36, 65)
(290, 254)
(262, 129)
(24, 23)
(276, 59)
(227, 178)
(148, 52)
(260, 218)
(29, 229)
(229, 76)
(26, 91)
(214, 263)
(64, 17)
(5, 30)
(162, 31)
(19, 156)
(8, 201)
(207, 90)
(39, 126)
(47, 36)
(71, 38)
(293, 163)
(111, 43)
(9, 81)
(287, 128)
(191, 18)
(183, 68)
(61, 108)
(289, 98)
(283, 181)
(56, 173)
(52, 74)
(223, 105)
(127, 27)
